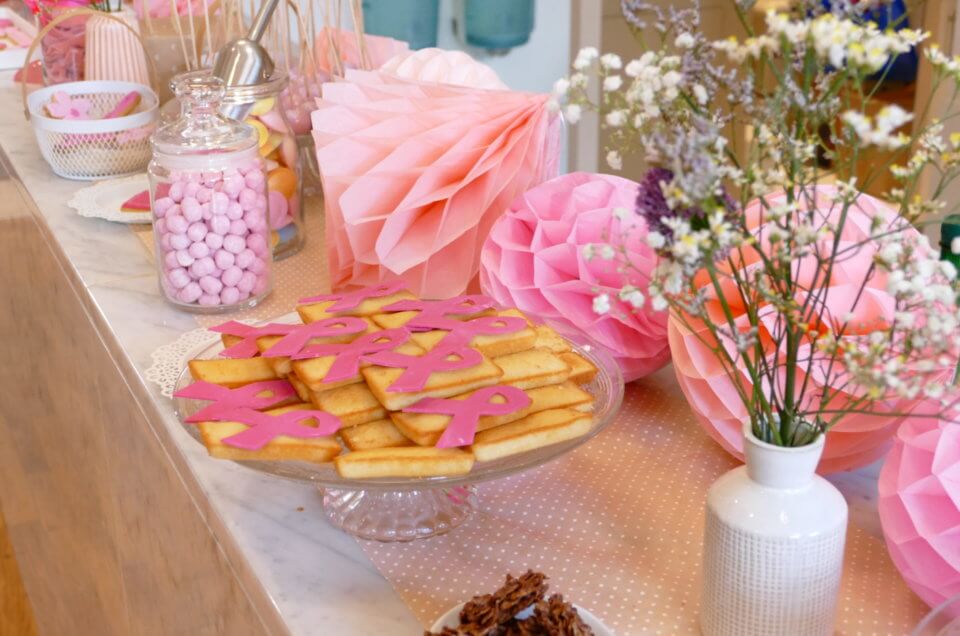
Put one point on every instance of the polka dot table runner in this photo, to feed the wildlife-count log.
(617, 524)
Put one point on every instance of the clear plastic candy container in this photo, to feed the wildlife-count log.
(208, 193)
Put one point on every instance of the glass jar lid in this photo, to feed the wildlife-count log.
(201, 129)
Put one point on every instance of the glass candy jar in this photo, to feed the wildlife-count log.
(259, 105)
(277, 143)
(208, 194)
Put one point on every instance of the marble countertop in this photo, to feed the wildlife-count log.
(316, 578)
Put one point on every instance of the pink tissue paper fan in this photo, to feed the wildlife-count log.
(857, 439)
(920, 507)
(534, 260)
(414, 175)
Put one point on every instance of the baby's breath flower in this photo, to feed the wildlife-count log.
(684, 41)
(632, 296)
(561, 87)
(611, 62)
(572, 112)
(614, 160)
(700, 93)
(585, 58)
(612, 83)
(601, 304)
(616, 118)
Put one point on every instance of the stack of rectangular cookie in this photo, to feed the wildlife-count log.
(379, 425)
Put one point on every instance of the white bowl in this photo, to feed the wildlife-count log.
(452, 618)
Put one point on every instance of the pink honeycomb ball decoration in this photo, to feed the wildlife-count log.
(212, 234)
(920, 507)
(534, 260)
(857, 439)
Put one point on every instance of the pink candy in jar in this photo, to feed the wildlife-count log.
(210, 205)
(214, 260)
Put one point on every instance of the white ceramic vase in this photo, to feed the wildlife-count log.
(773, 545)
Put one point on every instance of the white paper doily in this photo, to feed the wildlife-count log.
(103, 199)
(170, 359)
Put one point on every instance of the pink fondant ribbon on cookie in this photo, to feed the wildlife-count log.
(350, 300)
(465, 330)
(433, 313)
(247, 348)
(466, 413)
(264, 427)
(250, 396)
(295, 342)
(349, 355)
(418, 369)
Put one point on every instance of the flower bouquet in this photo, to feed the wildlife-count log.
(798, 305)
(817, 303)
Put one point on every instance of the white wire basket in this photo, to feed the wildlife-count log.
(89, 149)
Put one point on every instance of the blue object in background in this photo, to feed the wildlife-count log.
(413, 21)
(498, 24)
(902, 68)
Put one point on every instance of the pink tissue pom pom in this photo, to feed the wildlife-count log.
(534, 260)
(920, 507)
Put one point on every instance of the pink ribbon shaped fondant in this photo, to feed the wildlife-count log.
(265, 427)
(349, 355)
(466, 413)
(418, 369)
(433, 313)
(294, 342)
(247, 348)
(465, 330)
(350, 300)
(225, 399)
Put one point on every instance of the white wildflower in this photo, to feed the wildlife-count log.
(612, 83)
(607, 252)
(616, 118)
(614, 160)
(611, 62)
(561, 86)
(585, 58)
(656, 240)
(632, 296)
(572, 113)
(684, 41)
(601, 304)
(700, 93)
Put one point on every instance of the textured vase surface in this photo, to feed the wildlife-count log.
(773, 545)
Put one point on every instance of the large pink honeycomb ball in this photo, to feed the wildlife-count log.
(534, 260)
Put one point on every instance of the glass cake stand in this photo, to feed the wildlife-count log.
(404, 509)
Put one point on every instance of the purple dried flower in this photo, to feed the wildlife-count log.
(653, 207)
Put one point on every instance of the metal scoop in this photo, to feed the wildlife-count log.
(244, 62)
